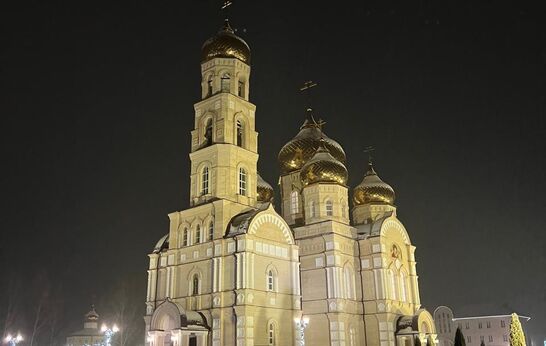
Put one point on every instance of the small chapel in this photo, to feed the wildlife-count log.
(325, 265)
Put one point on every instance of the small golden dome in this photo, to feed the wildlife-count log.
(225, 44)
(301, 148)
(373, 190)
(265, 191)
(323, 168)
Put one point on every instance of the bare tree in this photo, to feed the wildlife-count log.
(125, 306)
(55, 315)
(41, 310)
(12, 298)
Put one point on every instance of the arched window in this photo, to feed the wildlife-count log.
(195, 285)
(185, 237)
(270, 280)
(329, 208)
(209, 86)
(294, 202)
(349, 282)
(242, 181)
(198, 235)
(205, 181)
(352, 336)
(224, 82)
(403, 294)
(312, 212)
(271, 334)
(208, 132)
(240, 133)
(241, 89)
(211, 231)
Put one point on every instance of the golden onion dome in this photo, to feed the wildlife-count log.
(373, 190)
(302, 147)
(225, 44)
(265, 191)
(323, 168)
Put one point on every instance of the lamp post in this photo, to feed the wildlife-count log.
(12, 341)
(108, 333)
(301, 324)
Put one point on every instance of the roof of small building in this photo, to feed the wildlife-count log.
(87, 332)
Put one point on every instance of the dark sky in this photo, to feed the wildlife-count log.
(97, 106)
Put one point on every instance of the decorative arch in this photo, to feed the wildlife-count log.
(425, 322)
(166, 316)
(392, 223)
(270, 216)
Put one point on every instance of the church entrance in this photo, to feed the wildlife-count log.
(193, 340)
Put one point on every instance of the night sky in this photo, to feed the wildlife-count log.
(97, 107)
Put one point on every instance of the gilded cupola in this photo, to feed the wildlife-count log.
(302, 147)
(323, 168)
(373, 190)
(265, 191)
(225, 44)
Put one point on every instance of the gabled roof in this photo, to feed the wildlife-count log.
(162, 244)
(372, 228)
(240, 223)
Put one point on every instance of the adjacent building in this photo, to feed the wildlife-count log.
(90, 334)
(233, 271)
(492, 330)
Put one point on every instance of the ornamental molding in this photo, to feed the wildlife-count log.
(276, 220)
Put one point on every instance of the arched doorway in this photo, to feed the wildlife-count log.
(170, 325)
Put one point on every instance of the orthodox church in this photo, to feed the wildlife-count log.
(233, 271)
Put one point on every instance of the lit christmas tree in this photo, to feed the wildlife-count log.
(517, 338)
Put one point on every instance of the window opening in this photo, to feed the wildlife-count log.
(242, 181)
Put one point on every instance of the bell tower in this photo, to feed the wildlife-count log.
(224, 151)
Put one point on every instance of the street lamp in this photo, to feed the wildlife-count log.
(12, 341)
(301, 324)
(108, 333)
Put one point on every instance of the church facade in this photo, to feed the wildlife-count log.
(233, 271)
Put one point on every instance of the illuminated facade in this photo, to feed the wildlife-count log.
(493, 330)
(232, 271)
